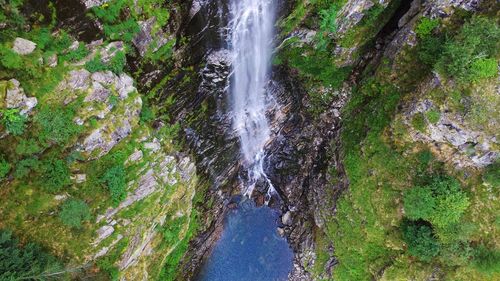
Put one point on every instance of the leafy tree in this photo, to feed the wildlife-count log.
(115, 180)
(74, 212)
(13, 121)
(55, 175)
(29, 262)
(419, 203)
(420, 240)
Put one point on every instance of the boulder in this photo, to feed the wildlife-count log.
(23, 46)
(15, 98)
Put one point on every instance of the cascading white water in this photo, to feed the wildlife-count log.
(250, 41)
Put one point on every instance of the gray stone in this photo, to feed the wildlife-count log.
(93, 3)
(144, 39)
(125, 86)
(15, 98)
(287, 218)
(23, 46)
(98, 93)
(78, 80)
(51, 61)
(103, 233)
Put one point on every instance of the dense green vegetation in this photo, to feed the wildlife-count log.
(27, 262)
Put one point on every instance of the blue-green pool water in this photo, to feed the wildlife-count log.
(249, 248)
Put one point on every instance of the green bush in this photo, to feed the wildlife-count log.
(95, 64)
(115, 180)
(455, 254)
(487, 260)
(28, 147)
(10, 59)
(483, 68)
(419, 203)
(433, 116)
(13, 121)
(117, 63)
(25, 166)
(27, 262)
(4, 168)
(74, 212)
(469, 55)
(420, 240)
(75, 55)
(54, 175)
(426, 26)
(451, 201)
(56, 125)
(418, 122)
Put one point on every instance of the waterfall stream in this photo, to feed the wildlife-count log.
(250, 247)
(250, 41)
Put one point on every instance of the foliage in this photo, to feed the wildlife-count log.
(116, 64)
(468, 56)
(418, 122)
(115, 180)
(420, 240)
(433, 116)
(483, 68)
(55, 125)
(27, 147)
(25, 166)
(54, 175)
(28, 262)
(419, 203)
(487, 260)
(10, 59)
(426, 26)
(4, 168)
(74, 212)
(328, 24)
(13, 121)
(75, 55)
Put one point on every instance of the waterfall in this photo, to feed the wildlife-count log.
(250, 41)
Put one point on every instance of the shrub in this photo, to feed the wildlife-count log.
(455, 254)
(484, 68)
(10, 59)
(28, 147)
(115, 180)
(29, 262)
(118, 62)
(420, 240)
(25, 166)
(95, 64)
(4, 168)
(76, 55)
(451, 202)
(56, 125)
(468, 56)
(433, 116)
(426, 26)
(55, 175)
(13, 121)
(419, 203)
(487, 260)
(418, 122)
(74, 212)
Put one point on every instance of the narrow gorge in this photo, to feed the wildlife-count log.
(213, 140)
